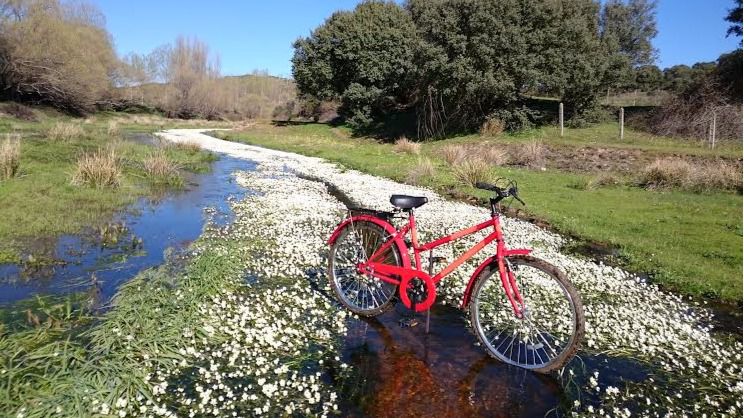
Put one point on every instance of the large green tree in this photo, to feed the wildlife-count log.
(632, 25)
(363, 58)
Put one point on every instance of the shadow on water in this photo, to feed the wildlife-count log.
(405, 372)
(100, 260)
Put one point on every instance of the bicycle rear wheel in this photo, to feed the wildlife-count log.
(551, 328)
(360, 293)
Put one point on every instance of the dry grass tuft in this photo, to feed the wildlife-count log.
(472, 171)
(603, 180)
(65, 131)
(491, 154)
(112, 129)
(407, 147)
(423, 170)
(160, 168)
(189, 146)
(99, 169)
(530, 154)
(10, 156)
(453, 154)
(492, 127)
(676, 172)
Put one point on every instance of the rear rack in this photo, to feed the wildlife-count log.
(384, 215)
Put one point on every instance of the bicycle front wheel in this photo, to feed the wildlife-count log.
(360, 293)
(551, 328)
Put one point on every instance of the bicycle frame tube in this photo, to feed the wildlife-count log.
(496, 235)
(508, 282)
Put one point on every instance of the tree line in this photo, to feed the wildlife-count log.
(59, 53)
(448, 66)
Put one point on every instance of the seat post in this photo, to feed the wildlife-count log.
(414, 238)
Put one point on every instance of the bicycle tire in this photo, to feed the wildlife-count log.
(387, 290)
(543, 339)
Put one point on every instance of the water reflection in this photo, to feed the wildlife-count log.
(405, 372)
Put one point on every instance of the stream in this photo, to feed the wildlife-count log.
(99, 260)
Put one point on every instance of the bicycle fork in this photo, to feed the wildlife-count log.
(509, 283)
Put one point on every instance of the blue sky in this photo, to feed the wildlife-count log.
(252, 34)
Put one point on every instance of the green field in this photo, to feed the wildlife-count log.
(41, 202)
(689, 242)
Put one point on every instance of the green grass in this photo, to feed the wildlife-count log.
(41, 203)
(690, 242)
(56, 368)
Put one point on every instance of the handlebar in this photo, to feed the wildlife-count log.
(501, 193)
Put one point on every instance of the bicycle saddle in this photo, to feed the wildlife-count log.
(408, 202)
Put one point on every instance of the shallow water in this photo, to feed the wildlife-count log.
(403, 371)
(143, 233)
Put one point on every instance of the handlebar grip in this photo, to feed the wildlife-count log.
(487, 186)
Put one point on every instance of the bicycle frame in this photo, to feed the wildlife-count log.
(402, 276)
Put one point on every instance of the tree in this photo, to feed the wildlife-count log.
(734, 17)
(55, 53)
(363, 58)
(192, 72)
(632, 26)
(649, 78)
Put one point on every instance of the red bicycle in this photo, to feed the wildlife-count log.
(523, 310)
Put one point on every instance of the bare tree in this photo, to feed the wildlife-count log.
(56, 53)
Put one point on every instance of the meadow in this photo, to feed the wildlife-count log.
(629, 198)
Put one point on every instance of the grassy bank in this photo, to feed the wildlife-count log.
(52, 194)
(688, 241)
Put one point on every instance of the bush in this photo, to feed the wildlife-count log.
(10, 156)
(472, 171)
(20, 111)
(99, 169)
(64, 131)
(515, 119)
(403, 145)
(423, 169)
(492, 127)
(595, 114)
(676, 172)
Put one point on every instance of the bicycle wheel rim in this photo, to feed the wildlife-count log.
(546, 336)
(362, 293)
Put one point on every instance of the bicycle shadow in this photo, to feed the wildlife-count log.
(405, 372)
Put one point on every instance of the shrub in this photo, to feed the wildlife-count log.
(20, 111)
(10, 156)
(530, 154)
(492, 127)
(64, 131)
(472, 171)
(99, 169)
(453, 154)
(405, 146)
(161, 169)
(423, 169)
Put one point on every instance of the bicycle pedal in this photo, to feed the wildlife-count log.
(439, 259)
(408, 322)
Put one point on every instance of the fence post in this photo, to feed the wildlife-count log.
(622, 122)
(713, 132)
(560, 116)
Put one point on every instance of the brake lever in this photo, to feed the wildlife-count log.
(513, 192)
